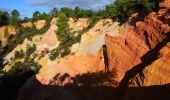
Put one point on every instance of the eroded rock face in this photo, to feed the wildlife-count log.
(3, 35)
(49, 39)
(78, 25)
(27, 24)
(93, 40)
(157, 73)
(125, 51)
(39, 24)
(72, 65)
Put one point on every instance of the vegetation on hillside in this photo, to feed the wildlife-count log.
(119, 10)
(22, 33)
(22, 62)
(65, 36)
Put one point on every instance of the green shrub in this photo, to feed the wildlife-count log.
(65, 36)
(4, 18)
(30, 49)
(19, 54)
(6, 33)
(93, 21)
(20, 68)
(54, 53)
(14, 20)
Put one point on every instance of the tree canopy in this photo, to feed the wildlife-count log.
(15, 18)
(4, 18)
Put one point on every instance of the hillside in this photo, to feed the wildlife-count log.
(115, 53)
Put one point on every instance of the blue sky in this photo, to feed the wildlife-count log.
(27, 7)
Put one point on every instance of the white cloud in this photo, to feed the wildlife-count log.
(86, 4)
(5, 9)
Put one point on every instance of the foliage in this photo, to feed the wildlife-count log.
(65, 36)
(6, 33)
(4, 18)
(36, 16)
(124, 8)
(93, 21)
(44, 16)
(77, 12)
(30, 49)
(20, 68)
(53, 12)
(54, 53)
(14, 19)
(19, 54)
(67, 11)
(26, 55)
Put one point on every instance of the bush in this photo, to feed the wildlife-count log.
(54, 53)
(65, 36)
(20, 68)
(14, 20)
(30, 49)
(93, 21)
(124, 8)
(4, 18)
(6, 33)
(19, 54)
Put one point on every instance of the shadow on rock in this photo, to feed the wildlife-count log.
(90, 90)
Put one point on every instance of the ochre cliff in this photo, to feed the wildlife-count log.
(157, 73)
(125, 51)
(72, 65)
(138, 46)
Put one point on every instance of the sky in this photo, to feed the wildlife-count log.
(27, 7)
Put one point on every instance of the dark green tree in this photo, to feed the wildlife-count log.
(19, 54)
(64, 35)
(36, 16)
(53, 12)
(30, 49)
(67, 11)
(4, 18)
(77, 12)
(44, 16)
(15, 18)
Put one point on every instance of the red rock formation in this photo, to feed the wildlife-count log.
(125, 51)
(73, 65)
(157, 73)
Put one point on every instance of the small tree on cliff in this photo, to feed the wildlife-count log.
(65, 36)
(64, 33)
(63, 27)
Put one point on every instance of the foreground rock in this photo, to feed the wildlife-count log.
(125, 51)
(157, 73)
